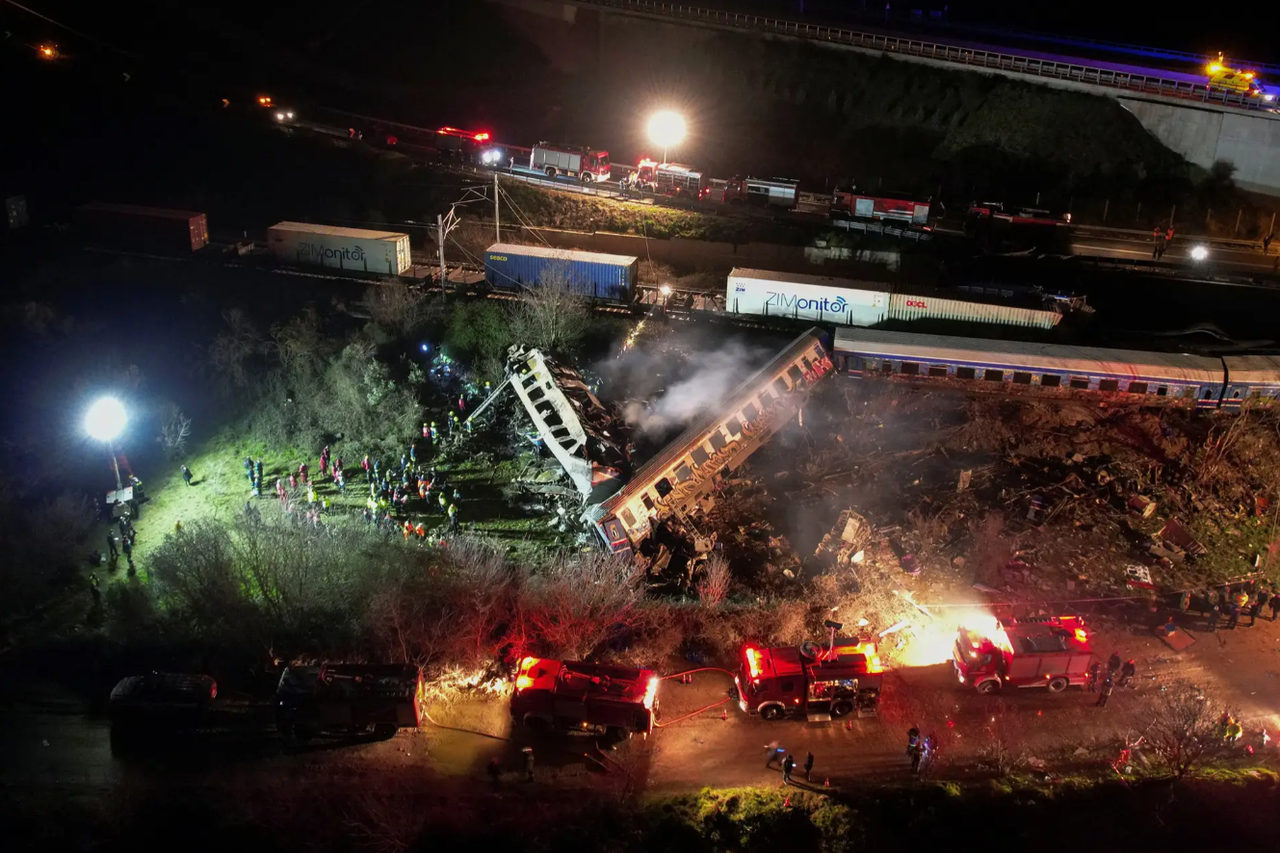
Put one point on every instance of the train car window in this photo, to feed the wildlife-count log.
(993, 375)
(628, 518)
(647, 501)
(909, 368)
(663, 487)
(1162, 390)
(750, 412)
(1208, 394)
(717, 441)
(1109, 385)
(1079, 383)
(700, 456)
(767, 396)
(886, 367)
(1137, 388)
(1235, 395)
(735, 426)
(796, 374)
(1190, 393)
(938, 371)
(808, 365)
(1049, 380)
(780, 385)
(1020, 378)
(965, 373)
(683, 473)
(842, 364)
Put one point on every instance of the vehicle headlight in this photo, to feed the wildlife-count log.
(1199, 253)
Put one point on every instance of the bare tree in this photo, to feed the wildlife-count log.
(1002, 747)
(232, 352)
(573, 604)
(713, 588)
(398, 308)
(300, 343)
(175, 429)
(1182, 733)
(551, 315)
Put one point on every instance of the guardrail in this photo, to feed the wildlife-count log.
(1078, 73)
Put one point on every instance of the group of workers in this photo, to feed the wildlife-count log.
(1118, 674)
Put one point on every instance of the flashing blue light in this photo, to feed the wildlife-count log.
(426, 347)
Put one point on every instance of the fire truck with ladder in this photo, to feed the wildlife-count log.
(814, 682)
(586, 698)
(1050, 651)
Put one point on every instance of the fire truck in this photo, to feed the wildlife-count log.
(569, 161)
(901, 208)
(348, 699)
(1051, 652)
(464, 144)
(997, 213)
(774, 192)
(586, 698)
(816, 682)
(669, 178)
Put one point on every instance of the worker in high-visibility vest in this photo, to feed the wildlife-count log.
(453, 516)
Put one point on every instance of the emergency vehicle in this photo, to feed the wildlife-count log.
(996, 212)
(815, 682)
(1051, 652)
(773, 192)
(901, 208)
(669, 178)
(461, 143)
(572, 697)
(348, 699)
(569, 161)
(1238, 80)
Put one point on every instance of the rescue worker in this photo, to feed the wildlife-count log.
(528, 764)
(1233, 618)
(258, 472)
(916, 751)
(407, 527)
(444, 503)
(788, 767)
(808, 767)
(426, 433)
(186, 475)
(1275, 606)
(1259, 600)
(1104, 692)
(435, 433)
(453, 517)
(1094, 669)
(913, 738)
(248, 469)
(94, 591)
(1214, 613)
(111, 546)
(126, 545)
(1266, 245)
(1113, 665)
(1127, 672)
(1233, 733)
(365, 465)
(302, 472)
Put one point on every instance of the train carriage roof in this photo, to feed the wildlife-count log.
(1179, 368)
(1253, 369)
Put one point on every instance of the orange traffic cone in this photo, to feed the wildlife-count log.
(786, 804)
(827, 782)
(724, 713)
(848, 725)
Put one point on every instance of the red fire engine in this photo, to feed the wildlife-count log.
(996, 213)
(567, 696)
(816, 682)
(901, 208)
(1050, 652)
(775, 192)
(669, 178)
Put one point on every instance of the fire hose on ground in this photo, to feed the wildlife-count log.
(700, 710)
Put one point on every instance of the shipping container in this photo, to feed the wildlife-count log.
(911, 306)
(611, 278)
(128, 226)
(357, 249)
(805, 297)
(15, 211)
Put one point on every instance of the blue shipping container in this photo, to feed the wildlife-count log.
(611, 278)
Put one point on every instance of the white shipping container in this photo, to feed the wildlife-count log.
(804, 297)
(385, 252)
(910, 306)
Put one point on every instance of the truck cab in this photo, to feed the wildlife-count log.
(816, 683)
(1051, 652)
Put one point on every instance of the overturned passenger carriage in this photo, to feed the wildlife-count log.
(679, 479)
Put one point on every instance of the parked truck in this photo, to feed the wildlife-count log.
(569, 161)
(879, 206)
(573, 697)
(762, 192)
(1051, 652)
(151, 229)
(304, 244)
(813, 682)
(669, 179)
(346, 700)
(608, 278)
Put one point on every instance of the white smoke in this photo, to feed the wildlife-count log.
(712, 375)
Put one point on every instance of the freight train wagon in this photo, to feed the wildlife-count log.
(824, 299)
(606, 278)
(1016, 367)
(128, 226)
(350, 249)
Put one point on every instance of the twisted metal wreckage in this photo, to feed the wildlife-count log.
(677, 484)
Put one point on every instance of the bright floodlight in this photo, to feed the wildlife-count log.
(665, 290)
(1199, 253)
(105, 419)
(666, 129)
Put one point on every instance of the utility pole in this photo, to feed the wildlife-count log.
(497, 227)
(440, 237)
